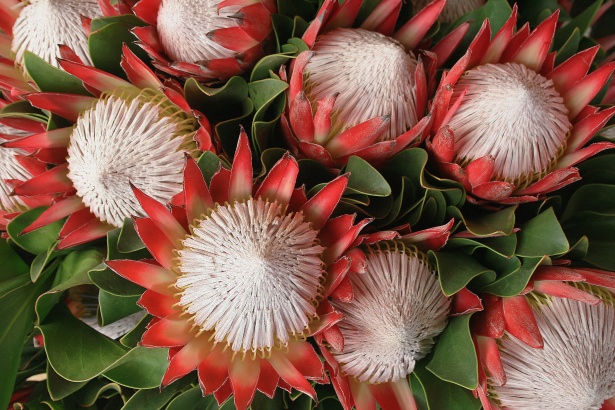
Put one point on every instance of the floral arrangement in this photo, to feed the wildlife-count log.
(302, 204)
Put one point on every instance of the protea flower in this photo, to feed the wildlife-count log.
(397, 311)
(40, 26)
(514, 315)
(127, 134)
(575, 369)
(361, 91)
(508, 124)
(453, 9)
(242, 278)
(207, 40)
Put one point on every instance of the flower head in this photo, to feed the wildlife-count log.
(361, 91)
(509, 125)
(208, 40)
(127, 134)
(383, 341)
(574, 369)
(242, 277)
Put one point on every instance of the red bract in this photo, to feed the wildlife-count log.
(210, 40)
(361, 91)
(508, 124)
(238, 280)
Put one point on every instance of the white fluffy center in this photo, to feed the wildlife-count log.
(119, 141)
(252, 274)
(42, 25)
(397, 311)
(183, 26)
(373, 75)
(513, 114)
(576, 367)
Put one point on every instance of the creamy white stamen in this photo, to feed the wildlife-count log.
(512, 114)
(373, 75)
(183, 26)
(10, 168)
(42, 25)
(397, 311)
(140, 140)
(252, 274)
(576, 367)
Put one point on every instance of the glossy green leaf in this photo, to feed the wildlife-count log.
(51, 79)
(105, 43)
(113, 307)
(419, 393)
(92, 391)
(59, 387)
(365, 179)
(193, 400)
(209, 163)
(270, 63)
(37, 241)
(129, 240)
(569, 48)
(600, 232)
(454, 358)
(140, 368)
(580, 23)
(513, 282)
(269, 101)
(542, 235)
(41, 260)
(16, 322)
(602, 201)
(68, 341)
(220, 103)
(480, 222)
(443, 395)
(12, 264)
(153, 399)
(456, 270)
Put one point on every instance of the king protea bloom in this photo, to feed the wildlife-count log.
(575, 369)
(207, 40)
(514, 315)
(397, 311)
(242, 278)
(40, 26)
(127, 134)
(453, 9)
(508, 124)
(361, 91)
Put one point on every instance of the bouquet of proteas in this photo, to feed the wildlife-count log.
(307, 204)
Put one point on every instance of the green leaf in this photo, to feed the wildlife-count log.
(365, 179)
(50, 79)
(129, 240)
(41, 260)
(443, 395)
(99, 388)
(542, 235)
(193, 400)
(221, 103)
(480, 222)
(208, 163)
(270, 63)
(580, 23)
(68, 341)
(419, 393)
(456, 270)
(269, 101)
(16, 322)
(37, 241)
(602, 201)
(153, 399)
(512, 283)
(114, 308)
(59, 387)
(140, 368)
(569, 48)
(132, 338)
(454, 358)
(105, 43)
(12, 264)
(600, 232)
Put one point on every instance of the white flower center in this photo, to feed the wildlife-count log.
(576, 367)
(42, 25)
(373, 75)
(183, 26)
(453, 9)
(397, 311)
(117, 141)
(251, 273)
(10, 168)
(513, 114)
